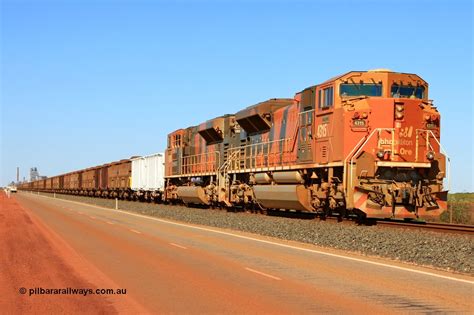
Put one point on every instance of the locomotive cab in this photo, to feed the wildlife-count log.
(394, 164)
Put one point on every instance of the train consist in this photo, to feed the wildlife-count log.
(137, 178)
(365, 142)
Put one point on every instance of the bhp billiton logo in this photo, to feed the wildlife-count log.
(397, 142)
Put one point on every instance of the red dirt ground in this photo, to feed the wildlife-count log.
(33, 256)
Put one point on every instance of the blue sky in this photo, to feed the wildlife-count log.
(88, 82)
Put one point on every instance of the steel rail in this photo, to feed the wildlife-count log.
(432, 226)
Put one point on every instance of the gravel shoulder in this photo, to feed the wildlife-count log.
(450, 252)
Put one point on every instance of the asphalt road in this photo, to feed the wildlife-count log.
(173, 267)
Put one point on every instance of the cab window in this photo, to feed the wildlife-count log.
(326, 97)
(407, 91)
(360, 89)
(177, 141)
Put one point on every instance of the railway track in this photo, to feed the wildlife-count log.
(420, 225)
(432, 226)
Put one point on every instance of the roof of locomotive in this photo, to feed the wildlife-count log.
(369, 71)
(269, 105)
(366, 71)
(269, 102)
(217, 118)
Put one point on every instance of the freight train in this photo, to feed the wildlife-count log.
(138, 178)
(364, 143)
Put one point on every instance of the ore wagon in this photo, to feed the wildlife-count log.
(147, 180)
(118, 179)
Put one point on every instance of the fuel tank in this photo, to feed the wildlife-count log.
(295, 197)
(193, 194)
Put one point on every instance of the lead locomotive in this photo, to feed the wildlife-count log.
(366, 142)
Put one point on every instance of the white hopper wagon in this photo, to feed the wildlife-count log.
(148, 177)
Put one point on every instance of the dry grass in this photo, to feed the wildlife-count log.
(462, 207)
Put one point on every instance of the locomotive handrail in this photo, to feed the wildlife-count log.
(366, 139)
(448, 175)
(258, 143)
(289, 144)
(428, 144)
(185, 166)
(298, 125)
(221, 175)
(225, 166)
(379, 131)
(345, 160)
(258, 147)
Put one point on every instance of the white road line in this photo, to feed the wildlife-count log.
(135, 231)
(426, 273)
(111, 223)
(179, 246)
(91, 217)
(262, 274)
(80, 212)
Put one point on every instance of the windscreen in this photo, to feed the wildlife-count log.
(407, 91)
(360, 89)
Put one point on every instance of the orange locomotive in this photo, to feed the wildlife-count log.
(366, 142)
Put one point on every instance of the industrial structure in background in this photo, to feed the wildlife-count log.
(34, 175)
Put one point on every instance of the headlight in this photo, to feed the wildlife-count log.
(380, 154)
(399, 115)
(430, 155)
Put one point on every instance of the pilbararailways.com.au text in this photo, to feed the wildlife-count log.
(71, 291)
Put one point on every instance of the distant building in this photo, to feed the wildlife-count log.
(34, 174)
